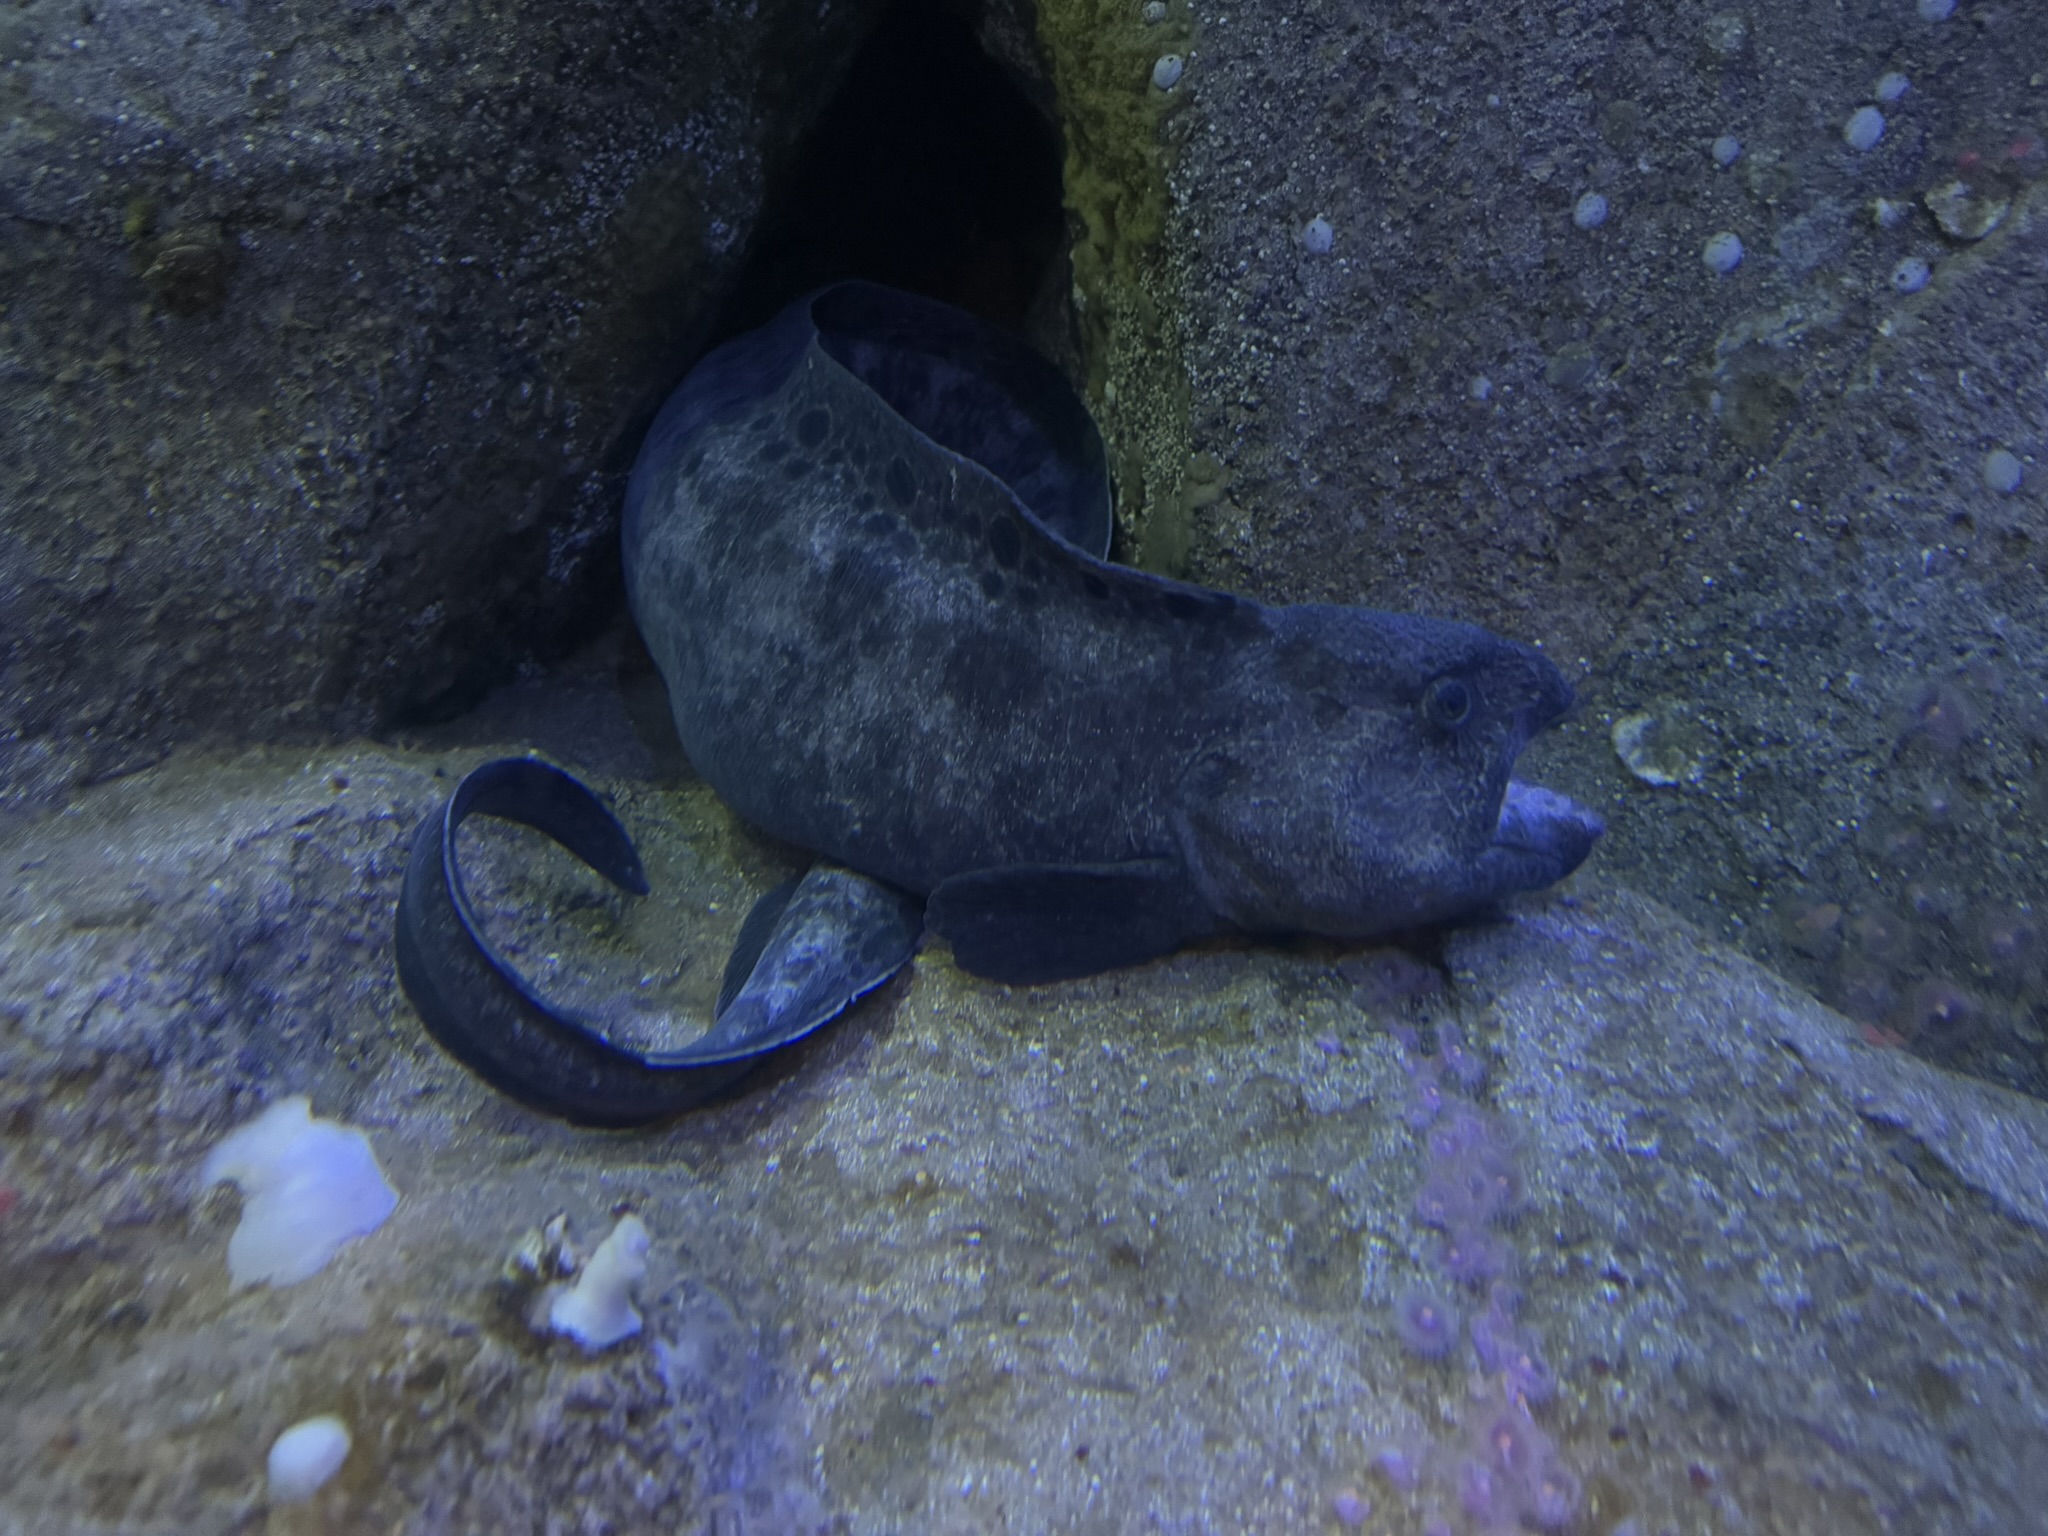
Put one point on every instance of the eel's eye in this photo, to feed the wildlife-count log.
(1447, 703)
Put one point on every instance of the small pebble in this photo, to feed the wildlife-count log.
(1723, 253)
(1572, 367)
(1727, 150)
(1167, 72)
(305, 1457)
(1726, 34)
(1864, 128)
(1317, 236)
(1911, 274)
(1398, 1466)
(1891, 86)
(1937, 10)
(2002, 471)
(1482, 388)
(1890, 212)
(1590, 212)
(1662, 747)
(1154, 12)
(1351, 1508)
(1962, 212)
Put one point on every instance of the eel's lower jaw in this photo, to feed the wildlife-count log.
(1542, 835)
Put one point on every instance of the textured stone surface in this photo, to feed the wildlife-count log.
(1753, 501)
(1120, 1254)
(329, 330)
(1104, 1256)
(325, 351)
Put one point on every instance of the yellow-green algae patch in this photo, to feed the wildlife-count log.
(1126, 292)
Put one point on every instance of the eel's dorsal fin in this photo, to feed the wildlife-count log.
(1026, 923)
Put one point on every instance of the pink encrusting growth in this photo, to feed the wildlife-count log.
(1426, 1321)
(1472, 1180)
(1460, 1062)
(1425, 1082)
(1504, 1472)
(1511, 1475)
(1507, 1351)
(1474, 1256)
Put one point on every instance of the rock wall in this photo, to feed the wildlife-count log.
(328, 333)
(1749, 510)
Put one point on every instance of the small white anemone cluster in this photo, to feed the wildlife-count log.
(596, 1310)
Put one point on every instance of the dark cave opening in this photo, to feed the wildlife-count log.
(931, 170)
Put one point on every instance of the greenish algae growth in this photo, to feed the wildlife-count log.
(1127, 292)
(138, 219)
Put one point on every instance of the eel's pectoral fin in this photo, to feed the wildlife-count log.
(1025, 923)
(809, 950)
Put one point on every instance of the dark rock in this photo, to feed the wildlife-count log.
(330, 330)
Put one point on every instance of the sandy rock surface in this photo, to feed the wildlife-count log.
(1119, 1254)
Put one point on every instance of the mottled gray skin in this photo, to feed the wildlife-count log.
(875, 651)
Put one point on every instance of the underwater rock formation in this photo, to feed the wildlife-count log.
(1131, 1244)
(326, 344)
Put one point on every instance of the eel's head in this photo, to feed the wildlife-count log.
(1363, 781)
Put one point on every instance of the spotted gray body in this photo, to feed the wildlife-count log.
(864, 546)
